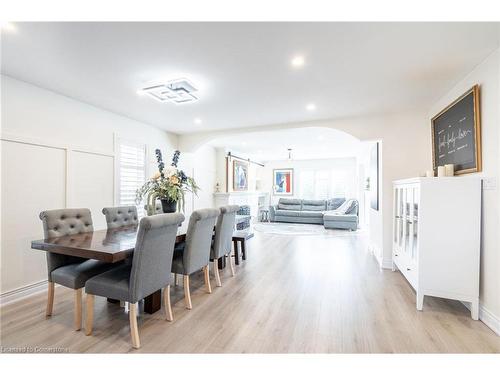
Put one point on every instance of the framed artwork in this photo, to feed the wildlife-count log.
(283, 181)
(240, 175)
(374, 174)
(456, 134)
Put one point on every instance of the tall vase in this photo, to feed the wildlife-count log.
(168, 206)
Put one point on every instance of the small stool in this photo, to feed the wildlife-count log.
(240, 236)
(264, 214)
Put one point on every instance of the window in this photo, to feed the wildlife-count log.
(131, 172)
(325, 183)
(322, 185)
(306, 184)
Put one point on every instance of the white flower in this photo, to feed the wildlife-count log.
(169, 171)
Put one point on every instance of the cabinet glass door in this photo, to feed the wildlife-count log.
(415, 206)
(399, 219)
(406, 220)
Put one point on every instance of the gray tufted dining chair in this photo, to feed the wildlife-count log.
(69, 271)
(194, 253)
(148, 272)
(117, 217)
(223, 238)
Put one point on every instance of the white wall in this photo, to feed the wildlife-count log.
(56, 152)
(487, 75)
(345, 166)
(253, 170)
(201, 165)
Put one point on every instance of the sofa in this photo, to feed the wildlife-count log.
(336, 213)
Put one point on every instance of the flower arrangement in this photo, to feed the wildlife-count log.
(169, 184)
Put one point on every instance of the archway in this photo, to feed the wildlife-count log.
(314, 152)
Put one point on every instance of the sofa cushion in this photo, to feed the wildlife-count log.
(290, 204)
(350, 206)
(311, 214)
(313, 205)
(336, 216)
(334, 203)
(294, 213)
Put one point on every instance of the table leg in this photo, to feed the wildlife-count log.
(243, 250)
(236, 254)
(222, 263)
(152, 303)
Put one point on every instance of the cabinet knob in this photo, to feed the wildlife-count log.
(408, 269)
(395, 255)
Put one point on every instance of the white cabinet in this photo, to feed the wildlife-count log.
(437, 235)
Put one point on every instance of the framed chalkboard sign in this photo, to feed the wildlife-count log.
(456, 134)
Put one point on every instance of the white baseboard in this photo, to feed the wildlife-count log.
(487, 317)
(383, 263)
(23, 292)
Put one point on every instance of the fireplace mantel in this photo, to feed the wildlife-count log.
(254, 199)
(242, 193)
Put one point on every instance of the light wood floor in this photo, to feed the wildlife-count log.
(293, 294)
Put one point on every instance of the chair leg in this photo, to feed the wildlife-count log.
(176, 279)
(134, 331)
(206, 272)
(216, 273)
(50, 299)
(78, 309)
(230, 263)
(167, 305)
(89, 317)
(187, 294)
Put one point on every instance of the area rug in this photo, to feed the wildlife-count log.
(299, 229)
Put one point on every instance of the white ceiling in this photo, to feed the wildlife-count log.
(243, 69)
(310, 143)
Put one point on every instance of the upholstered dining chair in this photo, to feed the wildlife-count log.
(223, 238)
(69, 271)
(148, 272)
(194, 254)
(117, 217)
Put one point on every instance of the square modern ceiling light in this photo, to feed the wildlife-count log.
(178, 91)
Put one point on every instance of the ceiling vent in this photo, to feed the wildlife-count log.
(178, 91)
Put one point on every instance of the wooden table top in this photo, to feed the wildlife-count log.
(111, 245)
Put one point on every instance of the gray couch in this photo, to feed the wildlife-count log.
(336, 213)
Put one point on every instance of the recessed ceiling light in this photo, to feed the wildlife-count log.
(197, 121)
(321, 138)
(311, 107)
(141, 92)
(298, 61)
(8, 26)
(243, 143)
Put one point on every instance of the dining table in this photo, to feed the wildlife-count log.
(108, 245)
(112, 246)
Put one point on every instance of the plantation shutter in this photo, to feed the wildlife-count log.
(131, 172)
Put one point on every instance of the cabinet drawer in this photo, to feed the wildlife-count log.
(408, 269)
